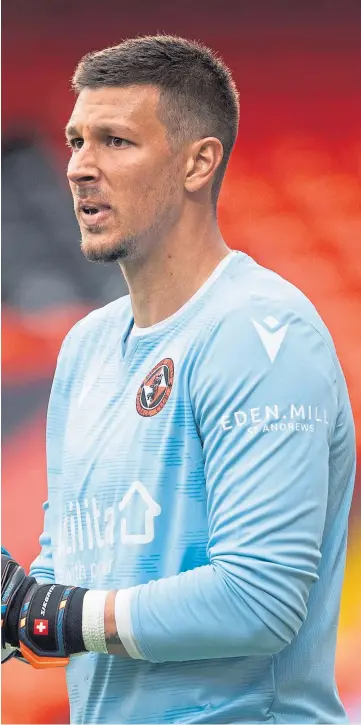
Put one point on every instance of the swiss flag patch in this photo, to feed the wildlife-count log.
(41, 626)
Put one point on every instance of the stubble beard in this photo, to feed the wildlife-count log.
(131, 246)
(107, 253)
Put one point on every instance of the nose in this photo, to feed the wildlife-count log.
(82, 168)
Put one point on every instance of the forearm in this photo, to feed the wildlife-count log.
(214, 611)
(187, 617)
(205, 613)
(237, 607)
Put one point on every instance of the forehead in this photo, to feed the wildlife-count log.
(135, 107)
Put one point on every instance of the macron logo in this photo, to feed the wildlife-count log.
(271, 335)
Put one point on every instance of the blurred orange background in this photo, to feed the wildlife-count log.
(291, 200)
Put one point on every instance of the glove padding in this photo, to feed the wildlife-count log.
(7, 652)
(35, 617)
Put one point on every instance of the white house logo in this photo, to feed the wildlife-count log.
(87, 525)
(272, 334)
(155, 389)
(151, 509)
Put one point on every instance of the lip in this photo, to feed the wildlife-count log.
(91, 220)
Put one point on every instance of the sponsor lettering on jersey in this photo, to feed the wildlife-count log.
(87, 525)
(271, 419)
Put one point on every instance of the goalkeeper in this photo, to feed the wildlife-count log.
(200, 441)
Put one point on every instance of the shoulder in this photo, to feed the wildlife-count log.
(106, 314)
(266, 345)
(260, 325)
(103, 317)
(259, 306)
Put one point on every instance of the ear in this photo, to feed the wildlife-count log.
(203, 161)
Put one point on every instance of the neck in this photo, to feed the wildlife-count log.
(163, 280)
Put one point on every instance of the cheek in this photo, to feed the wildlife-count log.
(145, 185)
(132, 182)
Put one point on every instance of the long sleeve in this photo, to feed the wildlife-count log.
(265, 404)
(42, 568)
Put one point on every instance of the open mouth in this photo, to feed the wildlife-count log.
(94, 213)
(90, 209)
(94, 208)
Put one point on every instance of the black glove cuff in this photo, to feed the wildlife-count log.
(11, 624)
(54, 619)
(73, 635)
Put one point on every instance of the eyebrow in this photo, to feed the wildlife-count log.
(72, 131)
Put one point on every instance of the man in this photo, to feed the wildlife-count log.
(200, 439)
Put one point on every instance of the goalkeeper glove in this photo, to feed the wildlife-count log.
(44, 621)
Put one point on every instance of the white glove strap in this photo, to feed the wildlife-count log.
(93, 621)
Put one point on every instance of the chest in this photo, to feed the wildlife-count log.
(128, 410)
(124, 463)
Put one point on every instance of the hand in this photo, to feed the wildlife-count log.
(35, 617)
(14, 586)
(7, 651)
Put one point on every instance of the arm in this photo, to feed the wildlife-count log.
(42, 568)
(267, 497)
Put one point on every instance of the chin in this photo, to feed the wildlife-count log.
(97, 250)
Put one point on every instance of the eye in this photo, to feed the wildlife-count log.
(116, 142)
(75, 143)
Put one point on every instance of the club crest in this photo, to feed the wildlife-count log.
(155, 389)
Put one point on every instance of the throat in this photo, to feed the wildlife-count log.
(161, 299)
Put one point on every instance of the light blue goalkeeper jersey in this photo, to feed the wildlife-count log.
(205, 465)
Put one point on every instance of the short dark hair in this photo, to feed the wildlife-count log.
(198, 95)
